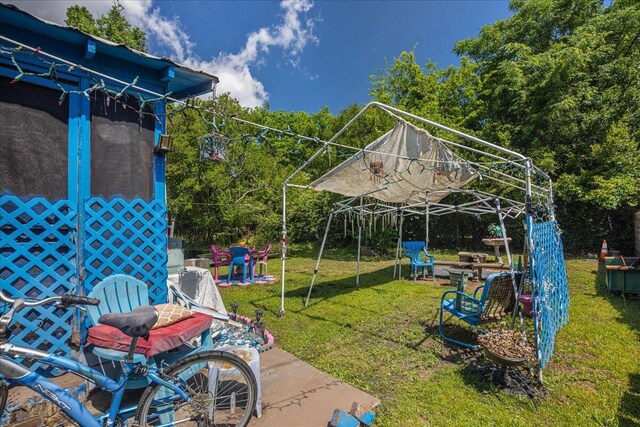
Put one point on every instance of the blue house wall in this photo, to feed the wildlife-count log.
(52, 247)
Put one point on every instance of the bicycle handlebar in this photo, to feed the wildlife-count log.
(64, 300)
(19, 303)
(75, 299)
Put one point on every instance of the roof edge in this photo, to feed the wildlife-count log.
(169, 61)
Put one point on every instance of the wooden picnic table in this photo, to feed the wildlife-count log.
(475, 267)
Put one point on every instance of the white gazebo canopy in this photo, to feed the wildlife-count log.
(407, 165)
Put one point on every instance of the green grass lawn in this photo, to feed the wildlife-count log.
(382, 338)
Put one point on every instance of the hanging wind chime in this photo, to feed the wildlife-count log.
(376, 168)
(213, 147)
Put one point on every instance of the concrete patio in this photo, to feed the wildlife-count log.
(294, 394)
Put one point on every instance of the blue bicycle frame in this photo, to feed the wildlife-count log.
(16, 373)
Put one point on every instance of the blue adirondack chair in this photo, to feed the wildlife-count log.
(414, 251)
(241, 258)
(121, 294)
(497, 299)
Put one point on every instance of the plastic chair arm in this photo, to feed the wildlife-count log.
(428, 255)
(224, 257)
(463, 294)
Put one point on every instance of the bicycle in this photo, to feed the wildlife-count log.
(209, 388)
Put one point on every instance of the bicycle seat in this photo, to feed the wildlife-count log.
(136, 323)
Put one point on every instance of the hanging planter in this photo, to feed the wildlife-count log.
(213, 147)
(507, 347)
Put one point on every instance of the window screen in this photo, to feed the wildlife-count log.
(34, 135)
(121, 149)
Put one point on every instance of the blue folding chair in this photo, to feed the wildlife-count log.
(414, 251)
(497, 299)
(241, 258)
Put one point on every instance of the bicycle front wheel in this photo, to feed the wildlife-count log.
(220, 387)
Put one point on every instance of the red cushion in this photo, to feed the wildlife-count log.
(159, 341)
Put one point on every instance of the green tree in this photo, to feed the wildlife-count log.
(79, 17)
(240, 200)
(116, 28)
(559, 82)
(112, 26)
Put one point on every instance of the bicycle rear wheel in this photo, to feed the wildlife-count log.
(221, 388)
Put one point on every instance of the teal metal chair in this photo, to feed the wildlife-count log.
(497, 299)
(121, 294)
(414, 251)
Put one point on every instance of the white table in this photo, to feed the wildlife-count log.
(197, 283)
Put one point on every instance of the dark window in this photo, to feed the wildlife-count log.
(121, 149)
(34, 135)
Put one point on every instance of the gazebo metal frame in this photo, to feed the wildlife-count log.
(513, 170)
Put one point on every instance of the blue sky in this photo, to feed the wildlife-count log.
(297, 55)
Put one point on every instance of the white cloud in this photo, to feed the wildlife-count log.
(166, 32)
(55, 10)
(292, 34)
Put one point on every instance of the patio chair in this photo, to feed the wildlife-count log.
(121, 294)
(241, 258)
(414, 251)
(221, 258)
(262, 258)
(498, 299)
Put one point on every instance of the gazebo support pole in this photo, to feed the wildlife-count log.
(516, 286)
(284, 246)
(552, 214)
(359, 239)
(284, 219)
(504, 233)
(399, 252)
(315, 271)
(426, 235)
(395, 266)
(426, 224)
(530, 253)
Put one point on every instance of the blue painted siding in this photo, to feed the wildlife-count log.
(92, 237)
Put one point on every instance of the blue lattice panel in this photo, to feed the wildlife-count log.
(549, 287)
(38, 260)
(126, 237)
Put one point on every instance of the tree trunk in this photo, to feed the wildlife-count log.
(636, 226)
